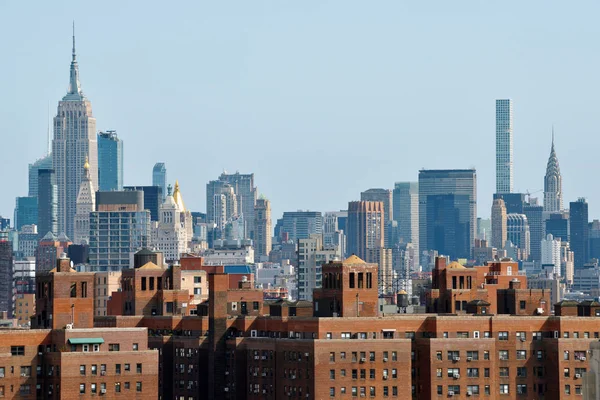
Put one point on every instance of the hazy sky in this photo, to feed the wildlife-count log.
(320, 99)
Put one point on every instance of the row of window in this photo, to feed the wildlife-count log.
(94, 369)
(504, 389)
(502, 335)
(362, 356)
(504, 372)
(94, 387)
(362, 373)
(454, 355)
(361, 391)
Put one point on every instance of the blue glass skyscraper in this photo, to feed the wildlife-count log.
(110, 161)
(26, 212)
(159, 177)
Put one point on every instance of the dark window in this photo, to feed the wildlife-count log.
(143, 283)
(361, 282)
(83, 289)
(151, 283)
(73, 289)
(523, 304)
(351, 285)
(255, 305)
(17, 350)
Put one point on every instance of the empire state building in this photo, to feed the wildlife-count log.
(74, 143)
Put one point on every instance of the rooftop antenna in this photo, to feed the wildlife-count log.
(48, 133)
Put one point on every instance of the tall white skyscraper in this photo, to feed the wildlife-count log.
(504, 146)
(553, 197)
(74, 142)
(551, 254)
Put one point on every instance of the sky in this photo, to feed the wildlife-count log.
(320, 99)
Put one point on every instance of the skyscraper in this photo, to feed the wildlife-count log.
(263, 230)
(74, 142)
(557, 224)
(551, 253)
(534, 213)
(159, 178)
(504, 146)
(448, 211)
(366, 221)
(26, 212)
(42, 163)
(174, 231)
(86, 204)
(406, 213)
(153, 198)
(302, 224)
(6, 276)
(47, 200)
(578, 218)
(498, 224)
(383, 195)
(517, 228)
(553, 196)
(110, 161)
(243, 186)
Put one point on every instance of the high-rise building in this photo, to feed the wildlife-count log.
(174, 231)
(517, 227)
(110, 161)
(594, 239)
(567, 262)
(86, 204)
(406, 213)
(311, 256)
(244, 189)
(383, 195)
(557, 224)
(514, 202)
(42, 163)
(49, 249)
(551, 253)
(301, 224)
(4, 223)
(334, 234)
(222, 205)
(26, 212)
(74, 143)
(24, 290)
(159, 178)
(499, 233)
(6, 276)
(366, 221)
(534, 213)
(119, 227)
(504, 146)
(384, 260)
(553, 196)
(448, 211)
(153, 198)
(28, 241)
(47, 201)
(263, 230)
(578, 221)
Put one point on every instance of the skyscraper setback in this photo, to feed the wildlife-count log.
(74, 143)
(504, 146)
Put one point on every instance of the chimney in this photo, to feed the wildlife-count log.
(515, 284)
(63, 263)
(245, 283)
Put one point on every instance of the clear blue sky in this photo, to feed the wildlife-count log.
(320, 99)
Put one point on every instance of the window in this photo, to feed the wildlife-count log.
(372, 388)
(371, 356)
(473, 390)
(439, 355)
(96, 348)
(540, 354)
(94, 369)
(486, 355)
(522, 304)
(355, 374)
(567, 389)
(394, 356)
(354, 388)
(503, 355)
(73, 290)
(438, 372)
(454, 388)
(138, 386)
(394, 373)
(331, 356)
(342, 355)
(1, 372)
(328, 335)
(135, 347)
(503, 389)
(343, 372)
(332, 374)
(363, 374)
(453, 355)
(346, 335)
(371, 373)
(566, 372)
(332, 392)
(255, 305)
(521, 354)
(17, 350)
(234, 305)
(521, 389)
(128, 367)
(126, 385)
(25, 389)
(577, 389)
(118, 387)
(93, 388)
(117, 369)
(503, 335)
(486, 372)
(85, 347)
(462, 335)
(476, 334)
(486, 390)
(521, 372)
(82, 370)
(138, 368)
(472, 355)
(452, 372)
(354, 356)
(537, 335)
(82, 388)
(503, 372)
(26, 371)
(113, 347)
(522, 336)
(473, 372)
(440, 389)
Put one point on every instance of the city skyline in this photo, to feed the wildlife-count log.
(532, 124)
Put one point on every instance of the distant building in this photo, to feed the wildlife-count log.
(4, 223)
(49, 249)
(504, 146)
(334, 234)
(551, 254)
(229, 252)
(312, 254)
(578, 221)
(6, 277)
(86, 204)
(153, 198)
(106, 284)
(557, 224)
(42, 163)
(514, 202)
(499, 230)
(119, 227)
(384, 260)
(26, 212)
(301, 224)
(262, 228)
(366, 221)
(47, 202)
(24, 290)
(406, 213)
(174, 230)
(28, 240)
(110, 161)
(534, 213)
(567, 262)
(518, 233)
(553, 195)
(246, 193)
(447, 211)
(159, 178)
(594, 239)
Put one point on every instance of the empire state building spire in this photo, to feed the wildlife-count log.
(74, 85)
(553, 197)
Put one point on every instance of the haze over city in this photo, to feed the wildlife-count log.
(321, 100)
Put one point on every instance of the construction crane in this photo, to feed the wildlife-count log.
(528, 193)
